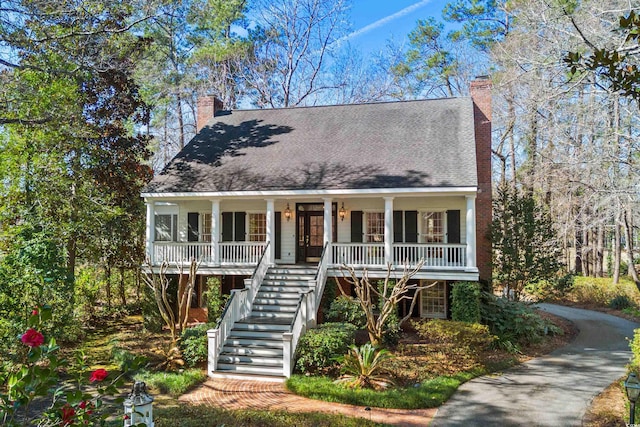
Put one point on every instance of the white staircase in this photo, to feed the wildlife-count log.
(255, 344)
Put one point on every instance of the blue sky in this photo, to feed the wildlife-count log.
(377, 21)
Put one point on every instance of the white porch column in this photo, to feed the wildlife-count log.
(271, 231)
(328, 226)
(471, 231)
(388, 230)
(151, 226)
(215, 232)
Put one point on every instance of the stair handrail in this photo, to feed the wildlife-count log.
(257, 277)
(321, 278)
(298, 328)
(238, 307)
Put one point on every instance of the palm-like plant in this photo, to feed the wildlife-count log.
(360, 366)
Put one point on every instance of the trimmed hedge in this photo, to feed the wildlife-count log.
(465, 302)
(319, 348)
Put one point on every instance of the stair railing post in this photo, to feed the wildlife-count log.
(213, 336)
(287, 337)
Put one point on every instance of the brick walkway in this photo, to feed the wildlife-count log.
(239, 394)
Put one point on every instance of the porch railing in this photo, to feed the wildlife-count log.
(238, 307)
(181, 252)
(440, 255)
(356, 254)
(241, 252)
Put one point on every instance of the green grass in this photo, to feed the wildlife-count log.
(429, 394)
(173, 383)
(198, 416)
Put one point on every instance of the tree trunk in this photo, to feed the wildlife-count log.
(599, 267)
(617, 255)
(107, 274)
(629, 237)
(121, 289)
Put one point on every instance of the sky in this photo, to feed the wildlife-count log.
(377, 21)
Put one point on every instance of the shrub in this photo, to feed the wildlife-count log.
(550, 288)
(600, 291)
(458, 334)
(620, 302)
(465, 302)
(318, 348)
(214, 299)
(361, 365)
(634, 344)
(514, 321)
(193, 344)
(347, 309)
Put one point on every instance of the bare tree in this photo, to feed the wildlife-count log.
(380, 304)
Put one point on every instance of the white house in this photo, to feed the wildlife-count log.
(276, 201)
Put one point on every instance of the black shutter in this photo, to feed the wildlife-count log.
(411, 226)
(193, 221)
(397, 226)
(453, 226)
(278, 230)
(227, 226)
(356, 226)
(240, 226)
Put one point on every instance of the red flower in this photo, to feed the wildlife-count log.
(67, 414)
(34, 312)
(82, 404)
(32, 338)
(98, 375)
(125, 417)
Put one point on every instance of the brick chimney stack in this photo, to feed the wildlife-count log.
(480, 91)
(207, 107)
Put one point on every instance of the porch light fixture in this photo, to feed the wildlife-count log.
(342, 212)
(632, 387)
(287, 213)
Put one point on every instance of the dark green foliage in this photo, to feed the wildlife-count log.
(514, 321)
(214, 299)
(151, 318)
(465, 302)
(620, 302)
(525, 248)
(318, 348)
(459, 334)
(193, 344)
(329, 295)
(347, 310)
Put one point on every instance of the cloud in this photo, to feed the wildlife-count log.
(384, 21)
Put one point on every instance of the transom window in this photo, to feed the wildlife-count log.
(257, 227)
(433, 300)
(375, 227)
(166, 229)
(432, 227)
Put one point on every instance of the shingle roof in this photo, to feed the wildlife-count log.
(406, 144)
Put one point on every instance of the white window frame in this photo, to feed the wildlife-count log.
(205, 224)
(173, 227)
(442, 299)
(250, 236)
(423, 233)
(369, 237)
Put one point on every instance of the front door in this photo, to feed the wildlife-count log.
(310, 226)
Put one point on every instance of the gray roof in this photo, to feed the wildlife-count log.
(408, 144)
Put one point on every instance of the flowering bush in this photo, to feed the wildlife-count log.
(38, 376)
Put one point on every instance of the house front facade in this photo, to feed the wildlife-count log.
(266, 198)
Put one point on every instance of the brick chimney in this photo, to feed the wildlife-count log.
(480, 91)
(207, 107)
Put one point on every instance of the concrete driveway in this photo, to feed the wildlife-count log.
(554, 390)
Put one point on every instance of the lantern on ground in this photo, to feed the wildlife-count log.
(138, 406)
(632, 387)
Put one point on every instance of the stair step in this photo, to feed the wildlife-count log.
(249, 369)
(277, 308)
(248, 342)
(268, 335)
(276, 301)
(256, 360)
(288, 282)
(246, 326)
(284, 296)
(289, 290)
(252, 351)
(284, 316)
